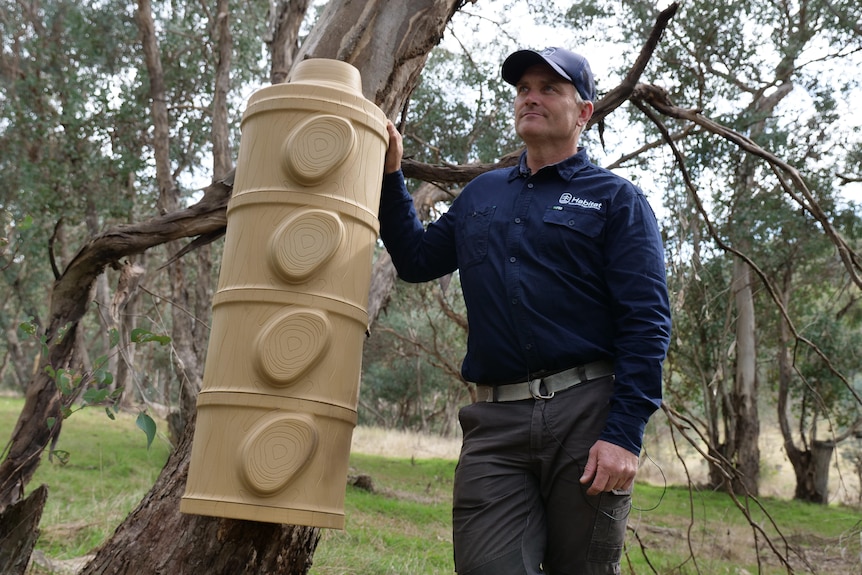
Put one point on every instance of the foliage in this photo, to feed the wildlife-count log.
(412, 362)
(460, 112)
(76, 135)
(96, 387)
(105, 472)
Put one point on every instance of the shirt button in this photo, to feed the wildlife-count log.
(528, 346)
(517, 220)
(530, 186)
(571, 222)
(514, 301)
(513, 259)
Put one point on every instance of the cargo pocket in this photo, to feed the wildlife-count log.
(609, 531)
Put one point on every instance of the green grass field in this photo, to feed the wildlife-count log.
(403, 526)
(109, 469)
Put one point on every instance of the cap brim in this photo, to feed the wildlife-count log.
(517, 63)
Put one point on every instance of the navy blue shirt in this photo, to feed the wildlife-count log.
(558, 268)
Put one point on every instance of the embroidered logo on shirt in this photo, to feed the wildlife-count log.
(568, 198)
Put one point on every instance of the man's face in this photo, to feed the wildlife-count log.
(547, 108)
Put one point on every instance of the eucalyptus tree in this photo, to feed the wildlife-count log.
(741, 84)
(457, 115)
(389, 42)
(77, 135)
(411, 364)
(71, 144)
(390, 64)
(810, 330)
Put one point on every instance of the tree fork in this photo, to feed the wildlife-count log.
(156, 538)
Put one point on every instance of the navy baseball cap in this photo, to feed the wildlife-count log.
(573, 67)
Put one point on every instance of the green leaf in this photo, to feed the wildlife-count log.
(51, 421)
(141, 335)
(103, 378)
(114, 336)
(110, 413)
(26, 223)
(28, 327)
(61, 455)
(148, 426)
(94, 396)
(64, 383)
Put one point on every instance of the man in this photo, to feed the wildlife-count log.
(562, 270)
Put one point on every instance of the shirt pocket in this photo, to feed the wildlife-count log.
(472, 234)
(589, 223)
(571, 233)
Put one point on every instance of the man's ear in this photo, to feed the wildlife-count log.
(586, 113)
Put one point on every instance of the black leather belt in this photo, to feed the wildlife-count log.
(551, 383)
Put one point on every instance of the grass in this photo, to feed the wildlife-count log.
(403, 525)
(704, 532)
(109, 469)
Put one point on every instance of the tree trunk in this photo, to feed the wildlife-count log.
(812, 472)
(810, 466)
(17, 359)
(19, 529)
(389, 43)
(156, 538)
(125, 307)
(185, 358)
(747, 450)
(821, 456)
(285, 20)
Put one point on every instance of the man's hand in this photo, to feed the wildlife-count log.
(395, 151)
(609, 467)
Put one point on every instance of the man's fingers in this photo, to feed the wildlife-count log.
(600, 483)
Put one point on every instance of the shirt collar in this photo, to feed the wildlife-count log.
(566, 168)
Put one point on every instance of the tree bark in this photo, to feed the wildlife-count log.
(156, 538)
(19, 529)
(285, 19)
(812, 476)
(746, 448)
(222, 38)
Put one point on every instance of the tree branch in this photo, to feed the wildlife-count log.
(659, 99)
(773, 293)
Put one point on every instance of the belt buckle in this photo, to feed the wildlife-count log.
(536, 392)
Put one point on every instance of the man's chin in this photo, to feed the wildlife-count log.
(530, 132)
